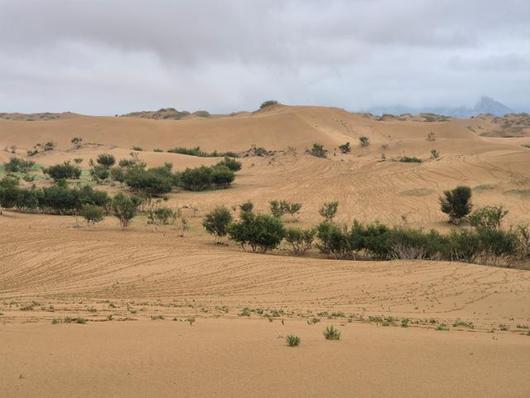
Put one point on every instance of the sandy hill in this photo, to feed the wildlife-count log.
(367, 187)
(151, 311)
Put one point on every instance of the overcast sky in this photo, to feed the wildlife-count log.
(114, 56)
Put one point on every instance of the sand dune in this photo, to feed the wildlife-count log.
(139, 289)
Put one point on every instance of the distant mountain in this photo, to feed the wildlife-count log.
(484, 105)
(491, 106)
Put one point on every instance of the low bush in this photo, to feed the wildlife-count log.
(198, 152)
(268, 103)
(283, 207)
(364, 141)
(410, 159)
(300, 240)
(204, 178)
(17, 165)
(260, 232)
(125, 208)
(292, 340)
(217, 221)
(106, 160)
(161, 216)
(345, 148)
(151, 182)
(92, 214)
(99, 172)
(319, 151)
(331, 333)
(63, 171)
(329, 210)
(230, 163)
(489, 217)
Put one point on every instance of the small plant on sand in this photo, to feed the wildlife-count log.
(319, 151)
(410, 159)
(293, 341)
(280, 208)
(442, 327)
(345, 148)
(217, 221)
(106, 160)
(364, 141)
(456, 203)
(435, 154)
(489, 217)
(331, 333)
(230, 163)
(329, 210)
(463, 324)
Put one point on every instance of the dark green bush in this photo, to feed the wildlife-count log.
(319, 151)
(280, 208)
(364, 141)
(456, 203)
(63, 171)
(345, 148)
(17, 165)
(230, 163)
(106, 160)
(125, 208)
(217, 221)
(152, 182)
(261, 232)
(92, 214)
(204, 178)
(268, 103)
(161, 216)
(300, 240)
(329, 210)
(99, 172)
(410, 159)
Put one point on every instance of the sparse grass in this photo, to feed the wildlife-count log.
(313, 321)
(464, 324)
(442, 327)
(245, 312)
(332, 333)
(293, 341)
(405, 322)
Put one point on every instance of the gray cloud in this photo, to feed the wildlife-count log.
(114, 56)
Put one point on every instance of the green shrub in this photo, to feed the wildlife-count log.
(92, 214)
(63, 171)
(246, 207)
(345, 148)
(489, 217)
(364, 141)
(9, 192)
(125, 208)
(99, 172)
(204, 178)
(17, 165)
(280, 208)
(106, 160)
(435, 154)
(230, 163)
(217, 221)
(329, 210)
(331, 333)
(198, 152)
(300, 240)
(152, 182)
(410, 159)
(456, 203)
(161, 216)
(292, 340)
(319, 151)
(117, 174)
(261, 232)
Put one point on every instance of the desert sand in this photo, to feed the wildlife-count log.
(171, 315)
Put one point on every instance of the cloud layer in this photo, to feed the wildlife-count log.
(114, 56)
